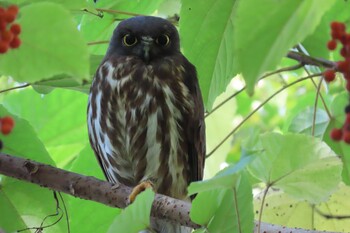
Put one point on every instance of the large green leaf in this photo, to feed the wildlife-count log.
(58, 117)
(340, 148)
(51, 45)
(81, 210)
(264, 34)
(26, 203)
(206, 30)
(225, 210)
(316, 43)
(281, 209)
(96, 28)
(135, 217)
(300, 165)
(303, 122)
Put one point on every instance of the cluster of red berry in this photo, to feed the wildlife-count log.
(338, 33)
(9, 31)
(6, 125)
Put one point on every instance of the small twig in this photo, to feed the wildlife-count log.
(256, 109)
(98, 42)
(262, 206)
(313, 125)
(289, 68)
(329, 216)
(225, 101)
(307, 60)
(118, 12)
(65, 211)
(14, 88)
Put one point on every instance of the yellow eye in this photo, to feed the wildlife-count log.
(163, 40)
(129, 40)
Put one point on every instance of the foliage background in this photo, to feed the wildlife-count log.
(232, 43)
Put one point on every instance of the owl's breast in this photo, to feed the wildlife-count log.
(140, 127)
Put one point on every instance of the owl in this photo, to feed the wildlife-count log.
(145, 113)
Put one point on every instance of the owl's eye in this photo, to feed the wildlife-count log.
(163, 40)
(129, 40)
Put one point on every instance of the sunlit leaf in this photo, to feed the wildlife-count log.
(28, 203)
(310, 171)
(264, 34)
(138, 214)
(207, 39)
(51, 45)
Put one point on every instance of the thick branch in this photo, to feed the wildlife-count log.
(90, 188)
(307, 60)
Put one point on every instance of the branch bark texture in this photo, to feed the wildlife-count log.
(90, 188)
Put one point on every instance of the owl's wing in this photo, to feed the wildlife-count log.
(195, 125)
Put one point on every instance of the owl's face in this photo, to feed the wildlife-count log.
(146, 37)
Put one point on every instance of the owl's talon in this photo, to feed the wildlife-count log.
(140, 188)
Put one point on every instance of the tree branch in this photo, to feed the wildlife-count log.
(90, 188)
(307, 60)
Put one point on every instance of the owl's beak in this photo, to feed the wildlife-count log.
(147, 43)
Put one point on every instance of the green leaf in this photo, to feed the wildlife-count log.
(58, 117)
(302, 166)
(206, 31)
(101, 28)
(303, 122)
(281, 209)
(264, 34)
(138, 214)
(51, 45)
(81, 210)
(340, 148)
(225, 210)
(28, 203)
(226, 178)
(316, 43)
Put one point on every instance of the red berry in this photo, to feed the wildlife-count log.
(336, 134)
(329, 75)
(15, 29)
(6, 36)
(338, 26)
(347, 76)
(6, 129)
(3, 25)
(10, 17)
(343, 52)
(347, 86)
(347, 120)
(15, 43)
(343, 66)
(7, 121)
(3, 47)
(6, 125)
(13, 9)
(336, 35)
(332, 44)
(346, 137)
(2, 14)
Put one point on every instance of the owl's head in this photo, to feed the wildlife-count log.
(146, 37)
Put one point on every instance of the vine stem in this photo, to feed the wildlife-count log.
(260, 106)
(289, 68)
(98, 42)
(14, 88)
(313, 125)
(118, 12)
(262, 206)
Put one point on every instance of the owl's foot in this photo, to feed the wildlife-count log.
(140, 188)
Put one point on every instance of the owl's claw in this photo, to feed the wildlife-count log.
(140, 188)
